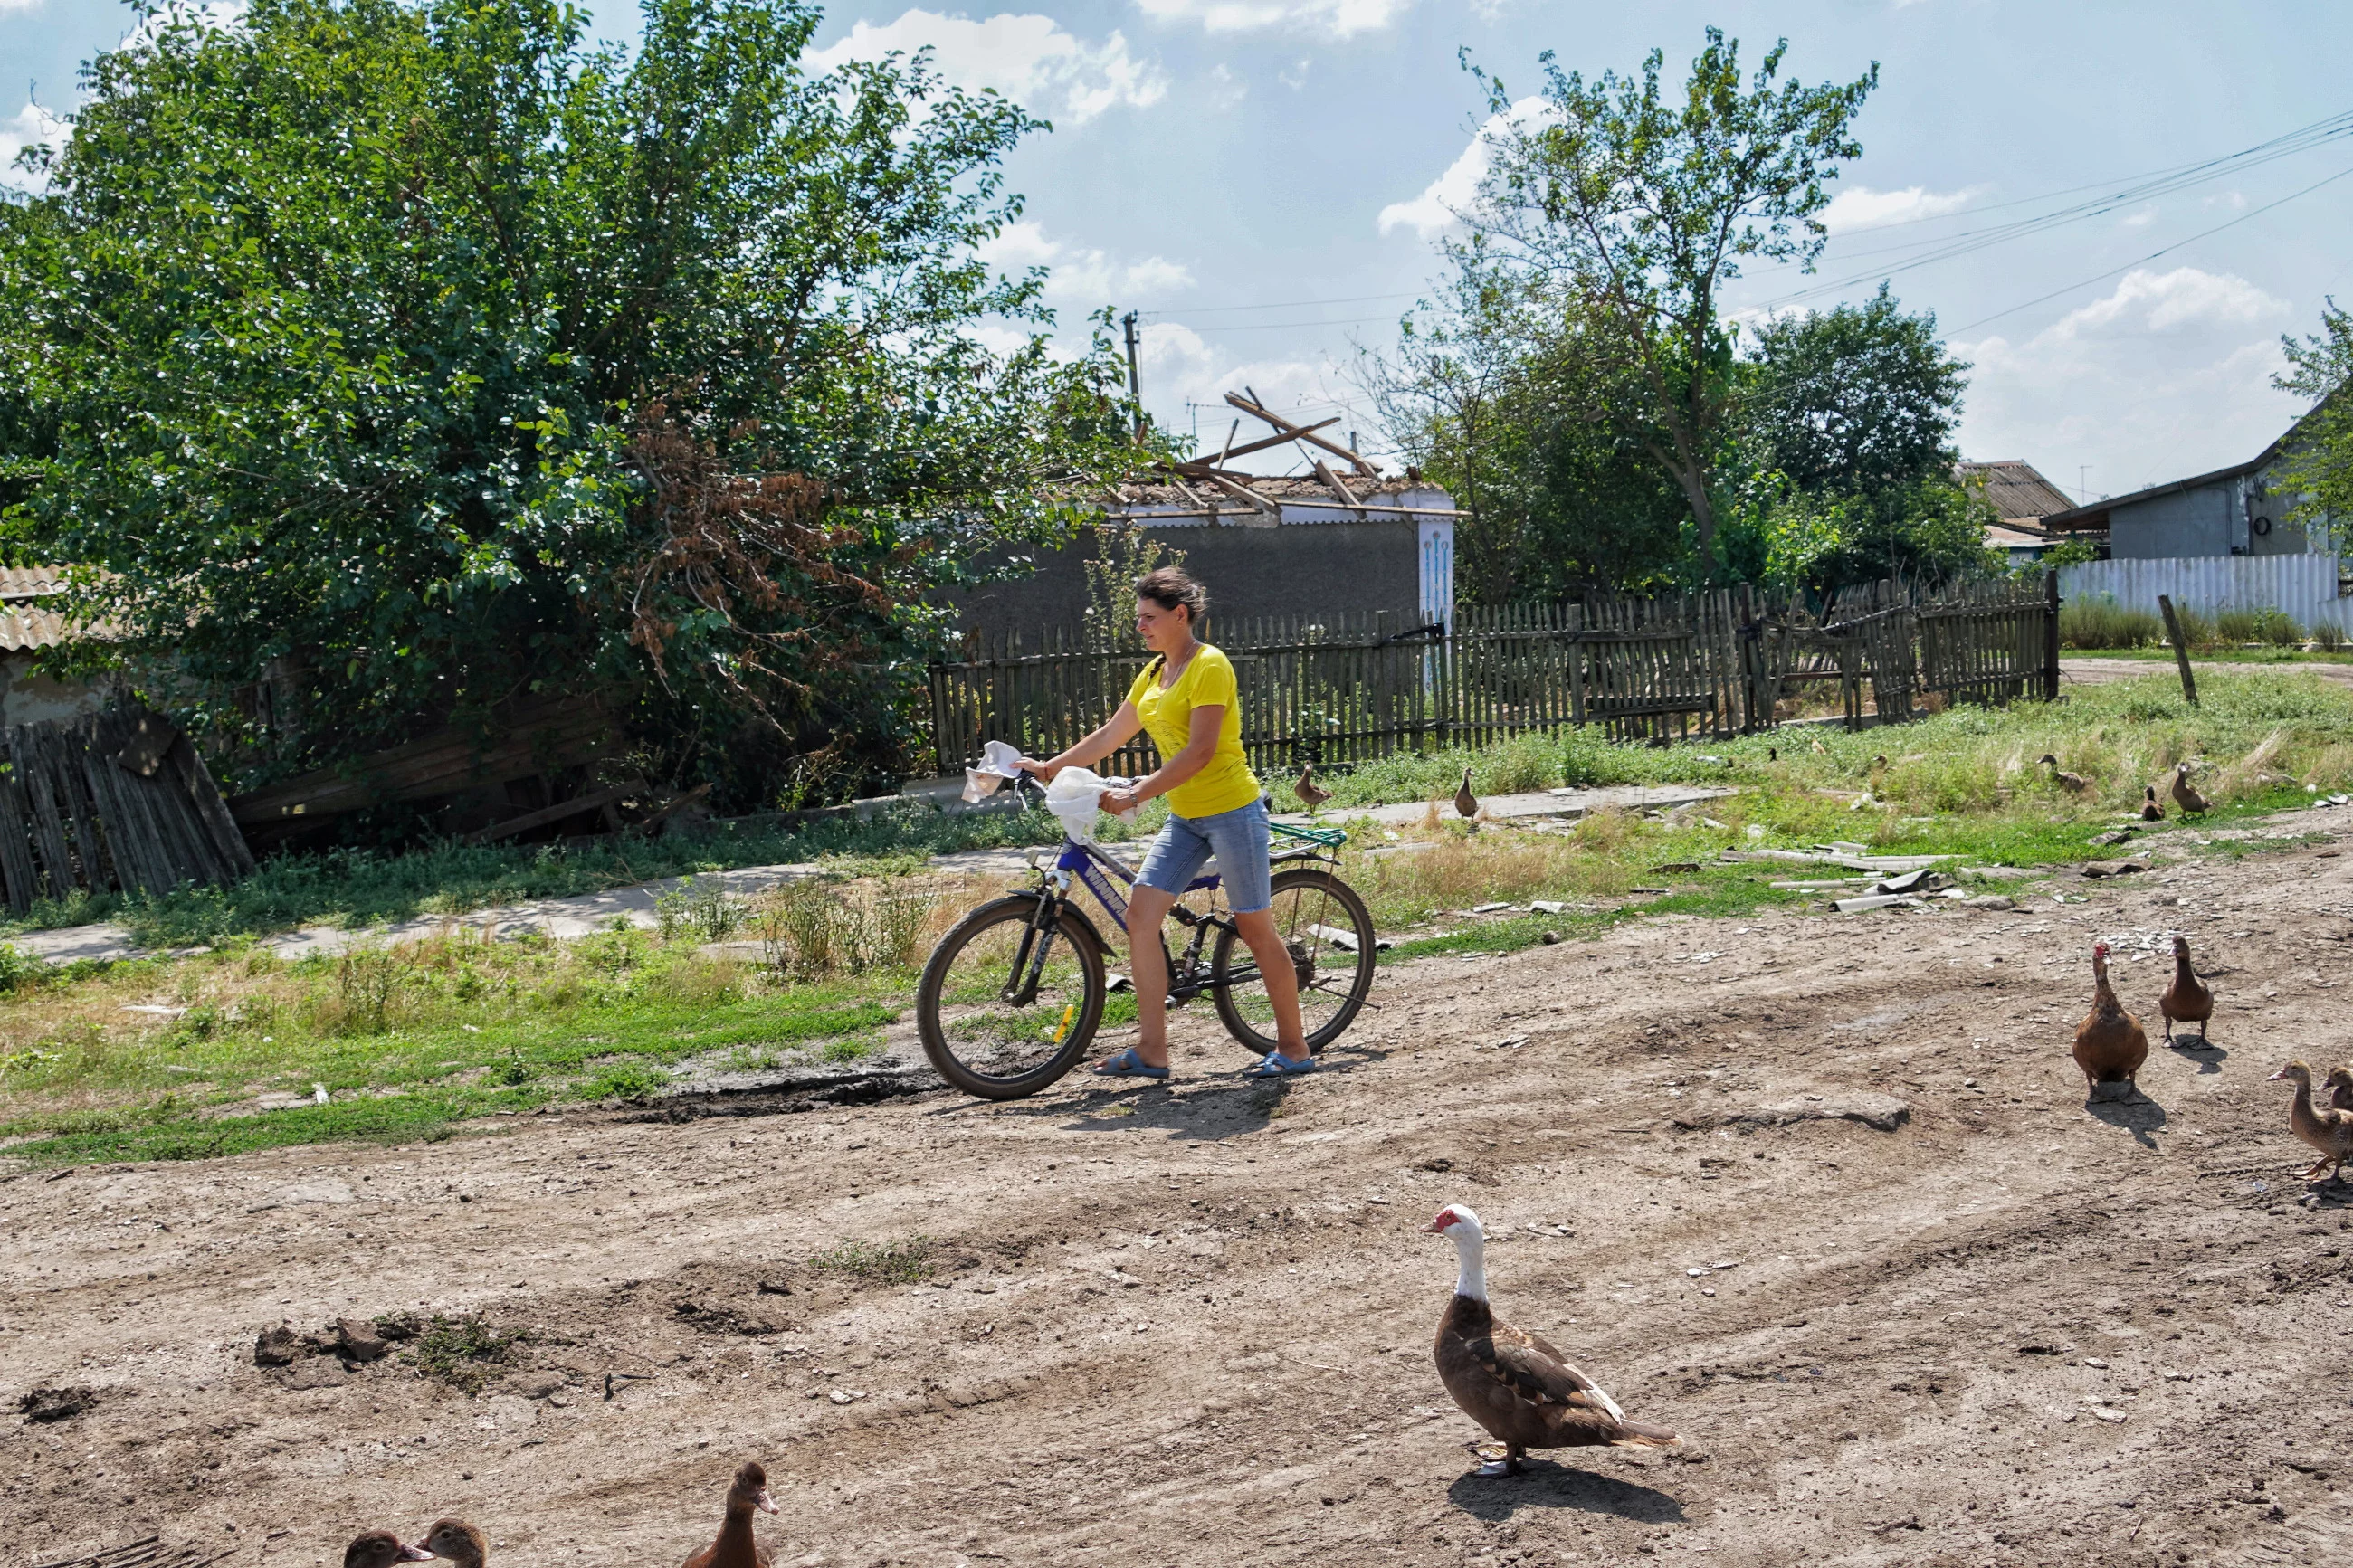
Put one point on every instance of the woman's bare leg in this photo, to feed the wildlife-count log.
(1281, 979)
(1147, 968)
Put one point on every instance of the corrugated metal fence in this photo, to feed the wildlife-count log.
(2306, 588)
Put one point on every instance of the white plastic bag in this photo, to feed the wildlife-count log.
(998, 763)
(1074, 797)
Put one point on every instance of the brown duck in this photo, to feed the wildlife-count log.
(2150, 810)
(735, 1547)
(2185, 793)
(2325, 1128)
(1514, 1383)
(381, 1549)
(2072, 782)
(1311, 793)
(2186, 1000)
(2109, 1043)
(459, 1543)
(1466, 805)
(2340, 1088)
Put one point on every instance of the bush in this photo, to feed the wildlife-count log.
(2103, 623)
(2327, 637)
(2273, 627)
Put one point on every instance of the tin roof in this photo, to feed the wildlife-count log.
(2015, 490)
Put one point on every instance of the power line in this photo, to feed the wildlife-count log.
(2153, 255)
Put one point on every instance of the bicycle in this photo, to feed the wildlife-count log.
(1012, 995)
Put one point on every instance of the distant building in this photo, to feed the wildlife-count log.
(2022, 498)
(27, 626)
(1301, 554)
(2239, 510)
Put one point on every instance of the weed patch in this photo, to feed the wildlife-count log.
(906, 1261)
(463, 1351)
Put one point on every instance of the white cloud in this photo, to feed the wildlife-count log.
(1029, 58)
(1860, 206)
(33, 125)
(1457, 187)
(1334, 18)
(2168, 374)
(1084, 277)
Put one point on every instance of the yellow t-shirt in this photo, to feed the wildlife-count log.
(1227, 783)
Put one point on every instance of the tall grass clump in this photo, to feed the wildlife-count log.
(2266, 624)
(2102, 623)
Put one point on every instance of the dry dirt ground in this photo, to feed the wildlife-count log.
(1192, 1325)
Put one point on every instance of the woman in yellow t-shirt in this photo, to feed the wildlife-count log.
(1187, 699)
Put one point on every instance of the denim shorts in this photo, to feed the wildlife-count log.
(1237, 838)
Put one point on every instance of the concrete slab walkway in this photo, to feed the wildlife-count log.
(581, 913)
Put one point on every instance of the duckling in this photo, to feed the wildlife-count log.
(2186, 1000)
(2340, 1088)
(457, 1541)
(2185, 795)
(736, 1547)
(1466, 805)
(2327, 1129)
(2072, 782)
(2150, 810)
(2110, 1046)
(381, 1549)
(1311, 793)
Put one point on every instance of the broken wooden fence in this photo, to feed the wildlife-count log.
(112, 801)
(1353, 688)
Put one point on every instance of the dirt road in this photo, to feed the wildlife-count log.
(1191, 1324)
(2096, 671)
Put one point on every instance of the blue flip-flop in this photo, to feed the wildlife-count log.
(1274, 1064)
(1127, 1064)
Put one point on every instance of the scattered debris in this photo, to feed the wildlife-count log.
(55, 1403)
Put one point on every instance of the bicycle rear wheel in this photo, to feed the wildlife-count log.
(982, 1029)
(1329, 933)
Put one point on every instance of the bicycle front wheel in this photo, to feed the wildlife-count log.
(1328, 932)
(986, 1028)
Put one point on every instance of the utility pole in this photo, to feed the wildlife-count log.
(1134, 385)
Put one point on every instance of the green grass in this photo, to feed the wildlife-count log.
(407, 1042)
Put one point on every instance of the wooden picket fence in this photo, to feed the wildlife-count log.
(1352, 688)
(118, 801)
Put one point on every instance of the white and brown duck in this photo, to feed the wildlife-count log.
(735, 1547)
(381, 1549)
(1513, 1383)
(2324, 1127)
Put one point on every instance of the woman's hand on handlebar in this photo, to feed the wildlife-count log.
(1045, 772)
(1119, 801)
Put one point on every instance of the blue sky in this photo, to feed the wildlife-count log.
(1264, 178)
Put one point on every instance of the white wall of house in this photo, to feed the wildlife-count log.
(2304, 586)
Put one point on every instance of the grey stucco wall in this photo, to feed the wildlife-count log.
(1321, 568)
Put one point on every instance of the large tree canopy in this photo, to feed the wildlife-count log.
(418, 354)
(1853, 399)
(1624, 198)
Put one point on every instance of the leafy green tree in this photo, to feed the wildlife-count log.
(1640, 205)
(1857, 399)
(2320, 458)
(1503, 400)
(425, 355)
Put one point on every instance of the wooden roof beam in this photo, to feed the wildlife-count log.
(1302, 432)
